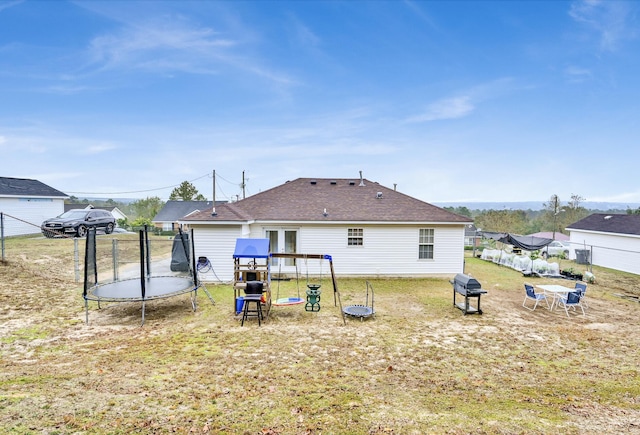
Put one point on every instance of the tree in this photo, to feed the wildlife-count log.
(147, 208)
(502, 221)
(186, 192)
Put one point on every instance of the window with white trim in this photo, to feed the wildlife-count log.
(425, 244)
(355, 236)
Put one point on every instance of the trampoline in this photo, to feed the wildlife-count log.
(361, 311)
(145, 287)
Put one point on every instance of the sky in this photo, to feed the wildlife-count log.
(448, 101)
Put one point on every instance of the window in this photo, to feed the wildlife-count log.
(425, 244)
(355, 237)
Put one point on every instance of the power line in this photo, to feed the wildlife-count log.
(137, 191)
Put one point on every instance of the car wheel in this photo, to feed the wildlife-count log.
(108, 229)
(81, 231)
(566, 253)
(544, 255)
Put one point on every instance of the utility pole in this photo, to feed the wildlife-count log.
(214, 187)
(243, 186)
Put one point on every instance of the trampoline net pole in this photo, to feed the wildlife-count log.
(142, 265)
(147, 250)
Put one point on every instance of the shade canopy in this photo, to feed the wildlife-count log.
(251, 248)
(529, 243)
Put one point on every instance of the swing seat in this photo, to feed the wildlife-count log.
(283, 302)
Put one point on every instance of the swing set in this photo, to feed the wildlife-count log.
(313, 292)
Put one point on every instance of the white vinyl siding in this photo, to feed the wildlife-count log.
(24, 215)
(615, 251)
(389, 250)
(217, 243)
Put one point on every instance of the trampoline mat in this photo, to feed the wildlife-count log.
(130, 289)
(358, 311)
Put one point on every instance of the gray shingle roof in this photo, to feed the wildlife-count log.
(609, 223)
(174, 210)
(27, 187)
(306, 199)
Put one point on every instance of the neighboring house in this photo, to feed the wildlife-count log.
(81, 206)
(550, 235)
(368, 229)
(169, 215)
(612, 239)
(115, 211)
(472, 236)
(25, 203)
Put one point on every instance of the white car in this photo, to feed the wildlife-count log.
(556, 249)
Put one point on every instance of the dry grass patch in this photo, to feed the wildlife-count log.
(419, 366)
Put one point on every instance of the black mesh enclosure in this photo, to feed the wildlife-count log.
(90, 267)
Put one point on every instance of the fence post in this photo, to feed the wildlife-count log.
(2, 233)
(76, 259)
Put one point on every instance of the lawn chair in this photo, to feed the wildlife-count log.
(582, 289)
(531, 294)
(571, 300)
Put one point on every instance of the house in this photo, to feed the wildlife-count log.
(557, 235)
(115, 211)
(368, 229)
(25, 203)
(168, 216)
(611, 240)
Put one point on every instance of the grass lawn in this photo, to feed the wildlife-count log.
(420, 366)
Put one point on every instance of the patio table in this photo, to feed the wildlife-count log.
(557, 291)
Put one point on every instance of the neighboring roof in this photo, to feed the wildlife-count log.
(83, 206)
(609, 223)
(549, 235)
(174, 210)
(27, 187)
(471, 231)
(330, 200)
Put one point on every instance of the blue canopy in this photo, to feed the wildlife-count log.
(251, 248)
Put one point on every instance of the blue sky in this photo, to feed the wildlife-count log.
(448, 100)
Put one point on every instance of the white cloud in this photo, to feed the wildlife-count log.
(577, 75)
(611, 20)
(449, 108)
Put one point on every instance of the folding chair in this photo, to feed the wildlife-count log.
(582, 289)
(531, 294)
(571, 300)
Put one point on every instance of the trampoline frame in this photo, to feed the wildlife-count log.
(140, 289)
(361, 311)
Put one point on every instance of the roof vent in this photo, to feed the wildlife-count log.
(379, 195)
(333, 182)
(608, 217)
(352, 183)
(313, 182)
(361, 179)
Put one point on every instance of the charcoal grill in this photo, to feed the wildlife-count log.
(469, 288)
